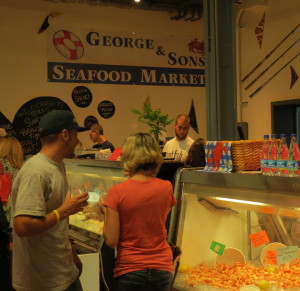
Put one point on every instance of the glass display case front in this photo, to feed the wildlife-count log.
(86, 227)
(238, 232)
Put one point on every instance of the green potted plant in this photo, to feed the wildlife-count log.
(155, 119)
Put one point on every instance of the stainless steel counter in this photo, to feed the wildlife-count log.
(94, 163)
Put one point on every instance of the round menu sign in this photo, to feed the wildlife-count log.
(106, 109)
(82, 96)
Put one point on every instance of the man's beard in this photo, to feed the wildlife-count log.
(180, 137)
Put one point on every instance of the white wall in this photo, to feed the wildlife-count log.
(281, 17)
(23, 62)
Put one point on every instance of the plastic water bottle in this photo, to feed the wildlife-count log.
(264, 155)
(293, 157)
(272, 156)
(282, 156)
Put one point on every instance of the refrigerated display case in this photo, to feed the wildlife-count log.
(237, 231)
(99, 176)
(86, 227)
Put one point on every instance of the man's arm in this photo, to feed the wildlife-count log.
(25, 225)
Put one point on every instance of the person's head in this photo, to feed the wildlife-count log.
(96, 131)
(59, 128)
(182, 126)
(141, 153)
(11, 150)
(196, 154)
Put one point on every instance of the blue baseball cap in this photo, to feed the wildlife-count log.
(57, 120)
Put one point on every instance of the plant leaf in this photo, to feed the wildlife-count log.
(136, 111)
(155, 119)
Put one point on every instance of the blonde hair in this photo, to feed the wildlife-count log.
(141, 152)
(11, 150)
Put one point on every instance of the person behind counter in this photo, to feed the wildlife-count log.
(179, 146)
(43, 258)
(135, 219)
(96, 135)
(196, 154)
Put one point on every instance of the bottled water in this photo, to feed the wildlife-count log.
(272, 156)
(293, 157)
(282, 156)
(264, 155)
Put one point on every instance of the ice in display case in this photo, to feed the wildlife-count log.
(236, 231)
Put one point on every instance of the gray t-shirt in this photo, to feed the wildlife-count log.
(41, 262)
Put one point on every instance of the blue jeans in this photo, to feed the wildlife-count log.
(75, 286)
(145, 280)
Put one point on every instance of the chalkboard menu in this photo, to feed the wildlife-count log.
(27, 119)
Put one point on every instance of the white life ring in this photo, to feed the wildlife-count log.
(68, 45)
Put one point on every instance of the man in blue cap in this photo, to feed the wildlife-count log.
(43, 257)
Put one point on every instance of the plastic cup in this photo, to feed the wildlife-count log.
(295, 230)
(269, 247)
(77, 189)
(230, 257)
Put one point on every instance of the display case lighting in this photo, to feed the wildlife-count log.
(240, 201)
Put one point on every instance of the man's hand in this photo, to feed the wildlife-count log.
(73, 204)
